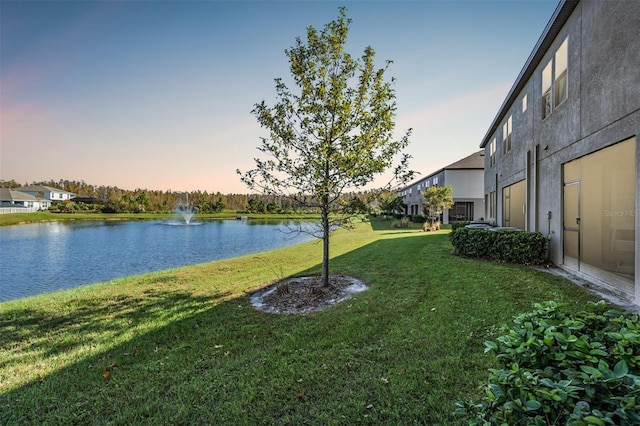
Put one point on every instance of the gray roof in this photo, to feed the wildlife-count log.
(43, 188)
(7, 194)
(473, 161)
(555, 24)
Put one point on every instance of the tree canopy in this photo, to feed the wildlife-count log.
(391, 203)
(334, 134)
(437, 199)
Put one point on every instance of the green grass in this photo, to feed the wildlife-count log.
(185, 346)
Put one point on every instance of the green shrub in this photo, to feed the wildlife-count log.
(417, 218)
(472, 242)
(503, 245)
(561, 368)
(456, 225)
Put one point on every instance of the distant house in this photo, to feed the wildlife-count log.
(48, 193)
(14, 201)
(31, 198)
(562, 154)
(465, 177)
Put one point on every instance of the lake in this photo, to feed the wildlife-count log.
(44, 257)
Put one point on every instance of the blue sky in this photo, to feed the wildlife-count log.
(158, 94)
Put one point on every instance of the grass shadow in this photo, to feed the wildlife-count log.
(84, 318)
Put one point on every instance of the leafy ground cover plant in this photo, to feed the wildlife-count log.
(560, 368)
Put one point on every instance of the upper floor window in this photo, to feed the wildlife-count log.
(561, 58)
(506, 135)
(524, 103)
(547, 107)
(554, 80)
(492, 153)
(435, 181)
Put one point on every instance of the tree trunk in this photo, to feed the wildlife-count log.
(325, 225)
(325, 247)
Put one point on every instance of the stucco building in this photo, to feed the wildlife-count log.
(561, 155)
(465, 178)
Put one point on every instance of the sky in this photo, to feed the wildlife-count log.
(158, 94)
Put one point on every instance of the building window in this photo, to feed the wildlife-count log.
(524, 103)
(461, 211)
(561, 59)
(555, 89)
(546, 91)
(435, 181)
(506, 135)
(492, 153)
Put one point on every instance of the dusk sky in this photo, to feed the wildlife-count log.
(158, 94)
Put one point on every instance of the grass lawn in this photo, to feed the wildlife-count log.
(185, 346)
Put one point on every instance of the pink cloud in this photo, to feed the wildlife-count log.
(483, 102)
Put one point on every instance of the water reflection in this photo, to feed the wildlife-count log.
(44, 257)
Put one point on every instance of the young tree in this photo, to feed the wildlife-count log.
(333, 135)
(437, 199)
(391, 203)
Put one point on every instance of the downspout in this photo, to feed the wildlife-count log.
(527, 192)
(534, 200)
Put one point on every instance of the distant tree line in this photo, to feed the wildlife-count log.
(111, 199)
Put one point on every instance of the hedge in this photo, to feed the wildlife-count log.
(456, 225)
(506, 245)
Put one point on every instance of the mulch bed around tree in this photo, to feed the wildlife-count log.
(305, 294)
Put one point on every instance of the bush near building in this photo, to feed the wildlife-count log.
(507, 245)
